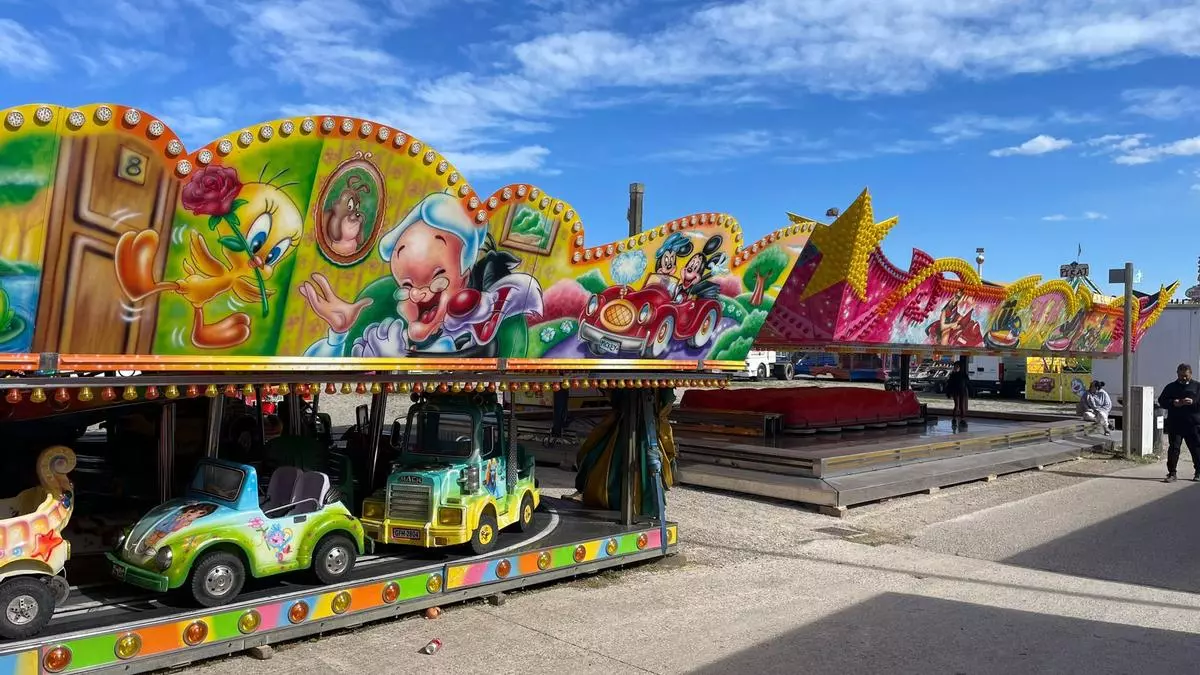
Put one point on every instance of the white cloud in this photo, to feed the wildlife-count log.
(199, 118)
(575, 56)
(1038, 145)
(1115, 143)
(749, 42)
(308, 44)
(106, 63)
(1087, 215)
(1186, 147)
(971, 125)
(1163, 104)
(119, 16)
(729, 145)
(1196, 187)
(524, 160)
(844, 50)
(22, 53)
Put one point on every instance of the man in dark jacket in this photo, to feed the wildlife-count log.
(1181, 399)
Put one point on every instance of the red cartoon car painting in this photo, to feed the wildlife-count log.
(645, 321)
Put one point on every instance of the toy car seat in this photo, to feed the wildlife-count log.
(281, 488)
(310, 492)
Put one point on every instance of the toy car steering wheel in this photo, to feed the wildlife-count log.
(463, 439)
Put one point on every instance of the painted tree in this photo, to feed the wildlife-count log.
(763, 271)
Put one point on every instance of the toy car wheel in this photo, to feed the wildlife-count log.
(525, 516)
(59, 587)
(762, 371)
(483, 539)
(27, 604)
(217, 578)
(334, 558)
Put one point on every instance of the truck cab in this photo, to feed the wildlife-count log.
(455, 478)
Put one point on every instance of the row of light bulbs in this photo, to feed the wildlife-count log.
(131, 393)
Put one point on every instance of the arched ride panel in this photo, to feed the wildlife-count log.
(338, 237)
(843, 293)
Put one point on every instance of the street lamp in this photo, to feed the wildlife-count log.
(979, 260)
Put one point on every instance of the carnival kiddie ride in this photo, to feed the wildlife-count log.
(33, 553)
(303, 259)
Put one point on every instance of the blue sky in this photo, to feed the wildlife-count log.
(1026, 127)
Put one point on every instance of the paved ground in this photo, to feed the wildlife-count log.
(1087, 567)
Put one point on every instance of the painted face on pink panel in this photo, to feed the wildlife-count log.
(427, 266)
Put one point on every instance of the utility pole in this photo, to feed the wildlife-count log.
(1125, 276)
(630, 400)
(637, 193)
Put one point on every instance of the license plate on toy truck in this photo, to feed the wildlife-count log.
(118, 572)
(609, 346)
(405, 533)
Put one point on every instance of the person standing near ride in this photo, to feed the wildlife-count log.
(1181, 399)
(958, 389)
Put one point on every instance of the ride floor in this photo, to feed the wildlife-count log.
(836, 470)
(566, 540)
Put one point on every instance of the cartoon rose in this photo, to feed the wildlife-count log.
(211, 191)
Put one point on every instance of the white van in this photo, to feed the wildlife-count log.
(1002, 376)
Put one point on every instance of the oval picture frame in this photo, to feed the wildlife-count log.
(363, 180)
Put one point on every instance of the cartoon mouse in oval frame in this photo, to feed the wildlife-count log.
(341, 231)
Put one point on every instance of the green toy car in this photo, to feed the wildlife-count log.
(223, 528)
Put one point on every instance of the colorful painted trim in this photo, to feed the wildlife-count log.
(126, 645)
(533, 563)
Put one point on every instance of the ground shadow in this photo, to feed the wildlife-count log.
(1106, 476)
(1155, 544)
(897, 633)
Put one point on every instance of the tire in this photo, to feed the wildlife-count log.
(762, 371)
(655, 348)
(702, 336)
(525, 517)
(333, 559)
(483, 539)
(26, 605)
(216, 578)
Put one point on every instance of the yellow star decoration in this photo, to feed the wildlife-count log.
(845, 247)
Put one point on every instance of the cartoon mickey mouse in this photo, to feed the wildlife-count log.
(702, 266)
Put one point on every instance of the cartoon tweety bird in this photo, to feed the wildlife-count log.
(274, 229)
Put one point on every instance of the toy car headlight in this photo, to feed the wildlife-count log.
(593, 304)
(450, 516)
(373, 509)
(163, 558)
(644, 315)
